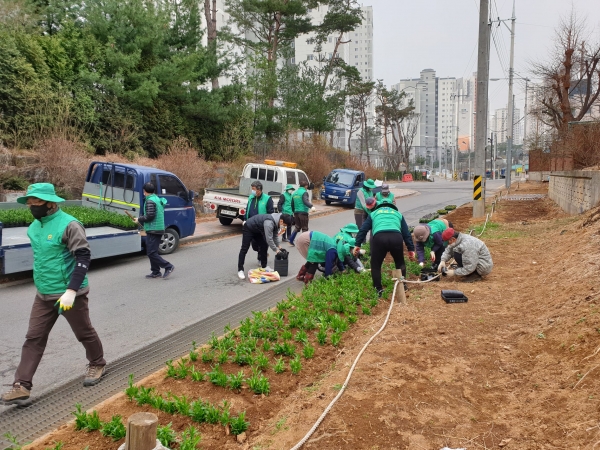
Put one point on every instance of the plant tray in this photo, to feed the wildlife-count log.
(450, 296)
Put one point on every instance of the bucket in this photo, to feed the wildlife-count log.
(282, 263)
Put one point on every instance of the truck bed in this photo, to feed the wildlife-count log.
(16, 254)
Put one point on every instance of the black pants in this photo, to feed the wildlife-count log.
(311, 267)
(382, 243)
(249, 238)
(459, 263)
(438, 257)
(300, 222)
(156, 261)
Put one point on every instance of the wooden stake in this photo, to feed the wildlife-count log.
(141, 431)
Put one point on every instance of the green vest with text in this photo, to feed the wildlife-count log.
(381, 199)
(287, 204)
(320, 243)
(260, 202)
(299, 205)
(53, 263)
(385, 218)
(158, 224)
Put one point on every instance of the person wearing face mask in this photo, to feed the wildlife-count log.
(301, 205)
(385, 196)
(264, 229)
(259, 202)
(286, 206)
(61, 258)
(361, 212)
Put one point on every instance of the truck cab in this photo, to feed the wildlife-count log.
(341, 186)
(119, 188)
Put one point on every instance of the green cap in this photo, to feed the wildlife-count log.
(43, 191)
(369, 184)
(289, 186)
(351, 242)
(350, 228)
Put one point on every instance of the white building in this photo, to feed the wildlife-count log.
(499, 126)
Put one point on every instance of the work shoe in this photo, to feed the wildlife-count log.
(17, 395)
(471, 278)
(379, 293)
(284, 239)
(268, 269)
(241, 275)
(169, 271)
(93, 375)
(154, 275)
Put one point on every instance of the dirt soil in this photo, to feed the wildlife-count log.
(517, 367)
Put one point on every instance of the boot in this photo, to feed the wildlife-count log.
(301, 274)
(397, 274)
(308, 278)
(292, 237)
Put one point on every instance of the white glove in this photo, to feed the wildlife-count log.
(313, 209)
(441, 266)
(243, 222)
(66, 300)
(450, 273)
(421, 264)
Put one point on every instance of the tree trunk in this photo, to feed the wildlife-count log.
(211, 32)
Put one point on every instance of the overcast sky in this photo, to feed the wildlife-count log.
(442, 34)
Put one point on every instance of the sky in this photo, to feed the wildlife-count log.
(442, 34)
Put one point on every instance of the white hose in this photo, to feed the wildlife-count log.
(337, 397)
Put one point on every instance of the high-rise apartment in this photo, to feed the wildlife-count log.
(499, 126)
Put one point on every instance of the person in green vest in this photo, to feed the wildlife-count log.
(361, 212)
(301, 205)
(347, 235)
(385, 196)
(61, 259)
(258, 202)
(153, 221)
(430, 235)
(318, 248)
(390, 233)
(286, 206)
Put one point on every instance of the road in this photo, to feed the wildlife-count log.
(130, 312)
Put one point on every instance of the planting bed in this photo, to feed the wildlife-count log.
(515, 368)
(89, 217)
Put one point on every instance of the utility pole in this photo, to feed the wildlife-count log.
(510, 112)
(525, 114)
(492, 158)
(483, 75)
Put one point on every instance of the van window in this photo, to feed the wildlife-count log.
(254, 172)
(262, 174)
(291, 177)
(270, 175)
(117, 179)
(170, 185)
(302, 177)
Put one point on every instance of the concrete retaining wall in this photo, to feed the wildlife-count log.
(539, 176)
(575, 191)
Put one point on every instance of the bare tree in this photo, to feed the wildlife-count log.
(571, 79)
(408, 130)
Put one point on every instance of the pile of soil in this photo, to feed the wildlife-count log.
(516, 367)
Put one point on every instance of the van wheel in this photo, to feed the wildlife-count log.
(328, 202)
(225, 221)
(169, 242)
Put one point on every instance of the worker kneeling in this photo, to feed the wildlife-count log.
(471, 255)
(390, 233)
(318, 248)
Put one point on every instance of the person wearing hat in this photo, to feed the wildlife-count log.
(361, 212)
(390, 233)
(61, 259)
(385, 196)
(301, 205)
(264, 229)
(318, 248)
(286, 206)
(471, 255)
(430, 235)
(347, 235)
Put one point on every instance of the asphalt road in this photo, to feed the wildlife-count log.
(129, 311)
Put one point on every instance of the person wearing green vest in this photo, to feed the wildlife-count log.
(301, 205)
(286, 206)
(318, 248)
(385, 196)
(258, 202)
(347, 235)
(61, 258)
(153, 221)
(390, 233)
(430, 235)
(361, 212)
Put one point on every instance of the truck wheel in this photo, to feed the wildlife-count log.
(225, 221)
(169, 242)
(328, 202)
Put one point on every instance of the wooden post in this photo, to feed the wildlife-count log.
(400, 294)
(141, 431)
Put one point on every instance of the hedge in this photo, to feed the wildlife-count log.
(89, 217)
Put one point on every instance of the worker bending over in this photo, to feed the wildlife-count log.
(471, 255)
(318, 248)
(430, 235)
(302, 205)
(390, 233)
(347, 235)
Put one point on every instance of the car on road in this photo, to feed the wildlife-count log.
(342, 185)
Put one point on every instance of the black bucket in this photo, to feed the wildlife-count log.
(281, 263)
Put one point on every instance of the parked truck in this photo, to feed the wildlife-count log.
(342, 185)
(230, 203)
(117, 188)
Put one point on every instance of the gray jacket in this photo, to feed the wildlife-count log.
(271, 228)
(475, 255)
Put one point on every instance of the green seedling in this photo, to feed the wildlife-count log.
(58, 446)
(193, 353)
(197, 375)
(223, 357)
(308, 351)
(225, 414)
(190, 439)
(242, 355)
(262, 361)
(286, 348)
(336, 339)
(144, 396)
(235, 381)
(131, 391)
(301, 336)
(182, 405)
(213, 341)
(238, 424)
(217, 376)
(85, 421)
(166, 435)
(296, 365)
(259, 384)
(114, 429)
(198, 411)
(279, 366)
(366, 310)
(182, 370)
(213, 414)
(286, 335)
(171, 371)
(322, 336)
(14, 441)
(207, 356)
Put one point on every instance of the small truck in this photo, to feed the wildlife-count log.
(117, 188)
(230, 203)
(342, 185)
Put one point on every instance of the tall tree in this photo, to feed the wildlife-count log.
(210, 14)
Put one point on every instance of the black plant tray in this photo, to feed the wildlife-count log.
(454, 296)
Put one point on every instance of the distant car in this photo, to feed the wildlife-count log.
(342, 185)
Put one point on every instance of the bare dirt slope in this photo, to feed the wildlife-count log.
(516, 367)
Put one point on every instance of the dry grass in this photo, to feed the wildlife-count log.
(580, 145)
(182, 159)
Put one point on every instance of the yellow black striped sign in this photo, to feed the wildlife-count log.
(477, 187)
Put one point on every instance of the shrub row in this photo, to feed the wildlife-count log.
(89, 217)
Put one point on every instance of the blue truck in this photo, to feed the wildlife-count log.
(342, 185)
(118, 188)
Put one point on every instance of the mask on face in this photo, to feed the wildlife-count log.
(353, 235)
(39, 211)
(253, 191)
(290, 192)
(282, 230)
